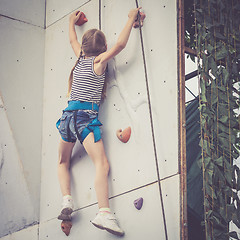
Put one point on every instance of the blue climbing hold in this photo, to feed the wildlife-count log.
(138, 203)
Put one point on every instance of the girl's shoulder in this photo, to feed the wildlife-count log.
(99, 67)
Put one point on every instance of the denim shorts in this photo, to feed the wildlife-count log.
(67, 128)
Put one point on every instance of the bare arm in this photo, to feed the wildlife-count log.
(76, 46)
(122, 39)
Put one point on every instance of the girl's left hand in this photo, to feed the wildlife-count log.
(74, 16)
(134, 13)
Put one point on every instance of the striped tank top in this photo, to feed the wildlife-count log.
(87, 86)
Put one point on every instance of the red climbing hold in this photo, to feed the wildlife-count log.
(66, 227)
(138, 203)
(124, 135)
(82, 19)
(142, 17)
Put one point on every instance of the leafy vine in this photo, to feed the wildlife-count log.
(216, 37)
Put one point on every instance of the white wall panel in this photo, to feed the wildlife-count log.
(30, 11)
(21, 74)
(56, 9)
(160, 45)
(126, 105)
(30, 233)
(141, 224)
(16, 208)
(171, 201)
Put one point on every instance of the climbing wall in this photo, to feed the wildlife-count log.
(24, 11)
(134, 164)
(21, 92)
(14, 214)
(138, 166)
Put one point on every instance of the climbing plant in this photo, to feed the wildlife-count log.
(189, 17)
(216, 37)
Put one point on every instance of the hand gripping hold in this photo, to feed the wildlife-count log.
(142, 16)
(82, 19)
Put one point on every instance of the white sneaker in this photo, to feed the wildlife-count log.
(107, 221)
(67, 209)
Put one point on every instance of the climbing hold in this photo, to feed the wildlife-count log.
(124, 135)
(138, 203)
(142, 16)
(66, 227)
(82, 19)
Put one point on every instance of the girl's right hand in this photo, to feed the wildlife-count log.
(74, 16)
(133, 13)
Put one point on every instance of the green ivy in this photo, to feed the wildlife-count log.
(217, 41)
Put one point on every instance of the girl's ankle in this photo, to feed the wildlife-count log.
(104, 210)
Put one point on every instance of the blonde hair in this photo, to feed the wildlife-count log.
(93, 44)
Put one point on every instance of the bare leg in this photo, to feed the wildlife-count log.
(97, 154)
(65, 152)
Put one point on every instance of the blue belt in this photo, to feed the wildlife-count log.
(93, 126)
(79, 105)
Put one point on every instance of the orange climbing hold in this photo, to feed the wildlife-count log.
(66, 227)
(82, 19)
(142, 16)
(124, 135)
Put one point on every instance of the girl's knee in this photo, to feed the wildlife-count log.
(63, 161)
(107, 167)
(104, 166)
(65, 152)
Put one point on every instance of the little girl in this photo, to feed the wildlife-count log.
(80, 119)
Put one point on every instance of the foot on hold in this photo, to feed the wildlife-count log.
(106, 221)
(65, 217)
(67, 208)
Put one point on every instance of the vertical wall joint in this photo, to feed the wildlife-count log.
(182, 122)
